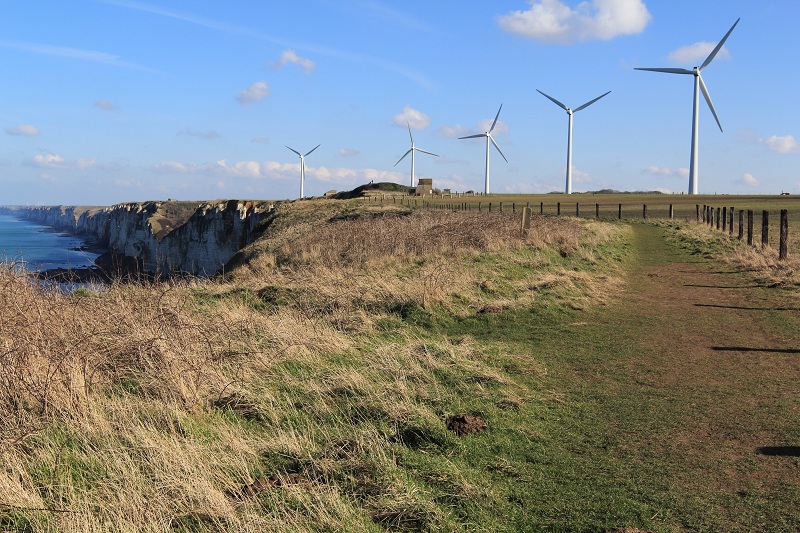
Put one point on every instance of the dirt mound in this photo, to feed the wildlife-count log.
(465, 424)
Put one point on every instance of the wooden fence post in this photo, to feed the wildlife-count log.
(697, 213)
(750, 227)
(644, 211)
(619, 216)
(541, 208)
(558, 208)
(501, 207)
(577, 209)
(783, 252)
(730, 220)
(724, 218)
(596, 210)
(718, 218)
(741, 224)
(480, 207)
(671, 212)
(764, 228)
(490, 207)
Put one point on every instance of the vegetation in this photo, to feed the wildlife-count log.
(361, 368)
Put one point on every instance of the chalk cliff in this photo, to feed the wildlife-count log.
(160, 237)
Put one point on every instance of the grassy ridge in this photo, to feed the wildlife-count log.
(304, 391)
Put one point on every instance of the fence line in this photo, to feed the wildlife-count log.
(719, 218)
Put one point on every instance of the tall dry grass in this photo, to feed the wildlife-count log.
(269, 400)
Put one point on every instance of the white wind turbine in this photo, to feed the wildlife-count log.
(570, 112)
(411, 151)
(488, 136)
(303, 167)
(699, 85)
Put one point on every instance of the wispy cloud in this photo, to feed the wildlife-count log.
(777, 144)
(552, 21)
(255, 93)
(24, 130)
(348, 152)
(72, 53)
(261, 140)
(695, 53)
(225, 27)
(55, 161)
(211, 134)
(274, 170)
(289, 56)
(105, 105)
(667, 172)
(412, 117)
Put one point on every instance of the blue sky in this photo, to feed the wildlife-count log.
(107, 101)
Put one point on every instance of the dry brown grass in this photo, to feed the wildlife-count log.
(268, 401)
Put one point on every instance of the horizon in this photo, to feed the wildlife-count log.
(133, 100)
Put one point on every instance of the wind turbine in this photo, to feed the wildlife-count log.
(303, 167)
(699, 85)
(411, 151)
(488, 136)
(570, 112)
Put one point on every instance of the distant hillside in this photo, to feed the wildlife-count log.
(371, 189)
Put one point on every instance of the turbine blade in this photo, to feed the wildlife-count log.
(495, 118)
(473, 136)
(317, 146)
(713, 53)
(295, 151)
(425, 151)
(404, 156)
(587, 104)
(708, 101)
(668, 70)
(498, 148)
(559, 104)
(409, 133)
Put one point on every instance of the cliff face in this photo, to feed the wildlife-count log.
(194, 238)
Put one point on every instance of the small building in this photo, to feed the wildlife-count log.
(424, 187)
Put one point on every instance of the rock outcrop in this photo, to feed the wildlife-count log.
(159, 237)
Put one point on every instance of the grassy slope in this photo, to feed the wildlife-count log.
(311, 389)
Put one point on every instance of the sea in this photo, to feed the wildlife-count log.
(33, 247)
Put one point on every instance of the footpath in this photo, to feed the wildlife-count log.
(706, 364)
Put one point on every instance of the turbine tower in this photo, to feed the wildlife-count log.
(411, 151)
(488, 135)
(570, 112)
(303, 167)
(699, 85)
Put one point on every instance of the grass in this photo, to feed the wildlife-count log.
(311, 388)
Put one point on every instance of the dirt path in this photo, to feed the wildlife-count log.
(712, 370)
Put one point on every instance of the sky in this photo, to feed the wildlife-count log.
(109, 101)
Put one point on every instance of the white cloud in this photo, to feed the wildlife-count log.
(72, 53)
(695, 53)
(261, 140)
(499, 128)
(348, 152)
(749, 180)
(551, 21)
(55, 161)
(786, 144)
(105, 105)
(412, 117)
(453, 131)
(653, 170)
(255, 93)
(25, 130)
(290, 56)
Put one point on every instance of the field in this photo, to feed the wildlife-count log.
(366, 367)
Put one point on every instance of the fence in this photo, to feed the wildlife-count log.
(720, 218)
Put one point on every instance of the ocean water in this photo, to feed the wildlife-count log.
(37, 247)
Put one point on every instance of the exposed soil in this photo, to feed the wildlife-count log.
(465, 424)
